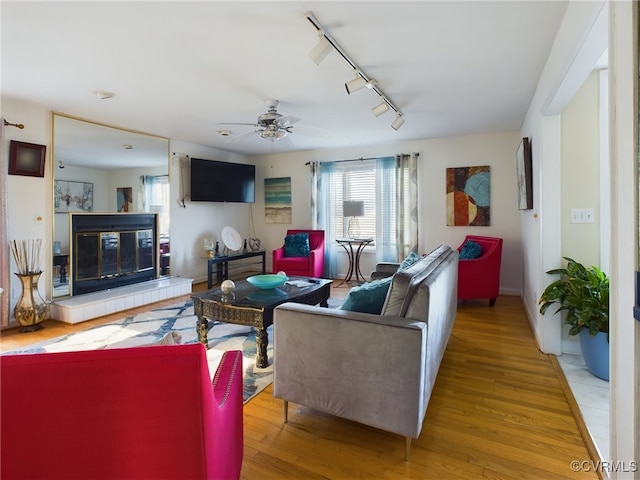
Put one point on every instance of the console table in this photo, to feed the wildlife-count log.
(222, 265)
(354, 257)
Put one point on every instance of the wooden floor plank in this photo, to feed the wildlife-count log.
(499, 410)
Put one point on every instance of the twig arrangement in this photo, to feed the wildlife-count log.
(26, 253)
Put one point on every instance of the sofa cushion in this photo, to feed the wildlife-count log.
(368, 297)
(470, 250)
(296, 245)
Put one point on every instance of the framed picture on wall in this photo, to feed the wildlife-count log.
(72, 196)
(26, 159)
(525, 180)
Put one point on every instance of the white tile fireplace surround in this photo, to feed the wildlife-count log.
(80, 308)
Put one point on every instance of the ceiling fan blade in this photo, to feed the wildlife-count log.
(286, 120)
(242, 136)
(227, 123)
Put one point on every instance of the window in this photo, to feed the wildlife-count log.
(388, 189)
(355, 181)
(157, 193)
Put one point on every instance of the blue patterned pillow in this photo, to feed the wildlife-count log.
(296, 245)
(368, 297)
(470, 250)
(412, 258)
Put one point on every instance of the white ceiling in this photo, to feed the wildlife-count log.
(179, 68)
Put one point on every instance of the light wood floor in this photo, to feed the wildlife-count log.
(499, 410)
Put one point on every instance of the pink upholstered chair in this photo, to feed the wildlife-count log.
(140, 412)
(305, 266)
(480, 277)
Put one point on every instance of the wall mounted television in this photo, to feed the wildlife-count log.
(215, 181)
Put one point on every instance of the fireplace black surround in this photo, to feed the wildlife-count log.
(112, 250)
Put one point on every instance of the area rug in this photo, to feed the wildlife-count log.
(150, 327)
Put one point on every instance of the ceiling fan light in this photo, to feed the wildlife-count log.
(398, 122)
(383, 107)
(321, 50)
(273, 135)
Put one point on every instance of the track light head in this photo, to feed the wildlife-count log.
(383, 107)
(321, 50)
(398, 122)
(356, 84)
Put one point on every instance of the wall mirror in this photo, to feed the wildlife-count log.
(105, 169)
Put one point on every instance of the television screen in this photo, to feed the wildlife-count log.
(214, 181)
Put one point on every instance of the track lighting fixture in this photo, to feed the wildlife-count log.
(383, 107)
(359, 83)
(361, 80)
(398, 122)
(321, 50)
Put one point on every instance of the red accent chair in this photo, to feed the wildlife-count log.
(311, 266)
(480, 277)
(142, 412)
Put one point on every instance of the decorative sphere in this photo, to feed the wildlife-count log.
(227, 286)
(284, 274)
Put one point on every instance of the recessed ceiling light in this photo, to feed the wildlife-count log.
(224, 133)
(127, 147)
(103, 94)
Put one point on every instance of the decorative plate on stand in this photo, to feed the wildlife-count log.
(231, 238)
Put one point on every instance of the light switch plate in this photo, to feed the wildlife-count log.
(582, 215)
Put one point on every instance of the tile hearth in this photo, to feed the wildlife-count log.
(80, 308)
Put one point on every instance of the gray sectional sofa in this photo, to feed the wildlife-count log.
(378, 370)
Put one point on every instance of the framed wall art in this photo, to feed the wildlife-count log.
(72, 196)
(468, 196)
(277, 200)
(26, 159)
(525, 180)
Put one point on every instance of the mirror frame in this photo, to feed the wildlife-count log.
(54, 165)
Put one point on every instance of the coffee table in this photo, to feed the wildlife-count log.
(249, 305)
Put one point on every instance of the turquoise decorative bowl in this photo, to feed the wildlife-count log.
(267, 281)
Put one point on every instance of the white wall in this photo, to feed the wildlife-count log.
(580, 43)
(28, 198)
(625, 330)
(580, 182)
(496, 150)
(580, 172)
(199, 220)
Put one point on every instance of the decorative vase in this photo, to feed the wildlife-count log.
(31, 309)
(595, 350)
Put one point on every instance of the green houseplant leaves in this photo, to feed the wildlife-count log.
(583, 294)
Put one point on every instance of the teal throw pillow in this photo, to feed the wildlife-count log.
(368, 297)
(412, 258)
(296, 245)
(470, 250)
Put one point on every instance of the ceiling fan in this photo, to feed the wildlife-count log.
(270, 125)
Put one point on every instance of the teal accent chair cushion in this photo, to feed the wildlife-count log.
(368, 297)
(296, 245)
(470, 250)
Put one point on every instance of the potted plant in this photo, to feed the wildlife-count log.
(583, 295)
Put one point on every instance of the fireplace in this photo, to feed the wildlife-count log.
(112, 250)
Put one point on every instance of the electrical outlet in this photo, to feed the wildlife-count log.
(582, 215)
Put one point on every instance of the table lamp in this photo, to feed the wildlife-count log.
(353, 210)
